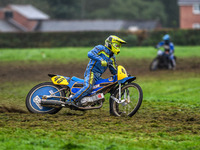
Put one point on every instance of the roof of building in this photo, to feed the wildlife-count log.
(142, 25)
(94, 25)
(188, 2)
(80, 25)
(7, 27)
(29, 12)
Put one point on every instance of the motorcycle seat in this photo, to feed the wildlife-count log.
(76, 79)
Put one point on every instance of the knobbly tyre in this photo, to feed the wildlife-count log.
(161, 61)
(49, 97)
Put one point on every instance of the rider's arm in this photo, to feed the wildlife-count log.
(113, 67)
(160, 44)
(93, 54)
(171, 47)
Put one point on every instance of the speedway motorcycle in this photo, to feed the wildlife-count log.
(49, 97)
(161, 61)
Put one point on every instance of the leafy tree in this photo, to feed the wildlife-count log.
(127, 10)
(96, 9)
(137, 9)
(64, 9)
(172, 11)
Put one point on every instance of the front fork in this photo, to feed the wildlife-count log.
(120, 92)
(125, 100)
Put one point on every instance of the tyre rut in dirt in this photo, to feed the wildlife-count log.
(133, 94)
(34, 97)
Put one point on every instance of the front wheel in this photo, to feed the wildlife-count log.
(133, 95)
(154, 64)
(34, 98)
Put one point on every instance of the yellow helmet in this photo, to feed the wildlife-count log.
(114, 43)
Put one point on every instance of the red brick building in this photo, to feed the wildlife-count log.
(22, 17)
(27, 18)
(189, 14)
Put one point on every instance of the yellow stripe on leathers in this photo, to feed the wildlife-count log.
(102, 52)
(91, 78)
(113, 60)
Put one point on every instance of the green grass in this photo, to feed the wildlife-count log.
(179, 89)
(70, 54)
(168, 119)
(43, 54)
(42, 139)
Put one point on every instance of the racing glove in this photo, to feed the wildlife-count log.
(104, 63)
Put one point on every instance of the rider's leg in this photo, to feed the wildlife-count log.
(87, 88)
(173, 62)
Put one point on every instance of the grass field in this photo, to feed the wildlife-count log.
(169, 117)
(80, 53)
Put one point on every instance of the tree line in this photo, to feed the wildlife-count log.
(166, 11)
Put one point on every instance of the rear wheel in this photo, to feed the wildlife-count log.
(34, 98)
(133, 95)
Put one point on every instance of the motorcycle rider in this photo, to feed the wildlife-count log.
(169, 49)
(100, 56)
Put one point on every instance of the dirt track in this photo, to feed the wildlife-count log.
(37, 72)
(162, 118)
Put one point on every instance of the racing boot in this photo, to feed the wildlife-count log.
(173, 64)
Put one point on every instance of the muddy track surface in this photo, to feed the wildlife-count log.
(37, 72)
(150, 119)
(174, 121)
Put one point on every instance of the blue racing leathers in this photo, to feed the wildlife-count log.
(94, 69)
(169, 46)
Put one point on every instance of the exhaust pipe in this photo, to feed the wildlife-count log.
(57, 104)
(52, 103)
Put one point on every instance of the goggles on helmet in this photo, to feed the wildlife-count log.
(117, 45)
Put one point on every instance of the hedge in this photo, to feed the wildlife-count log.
(55, 39)
(178, 37)
(72, 39)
